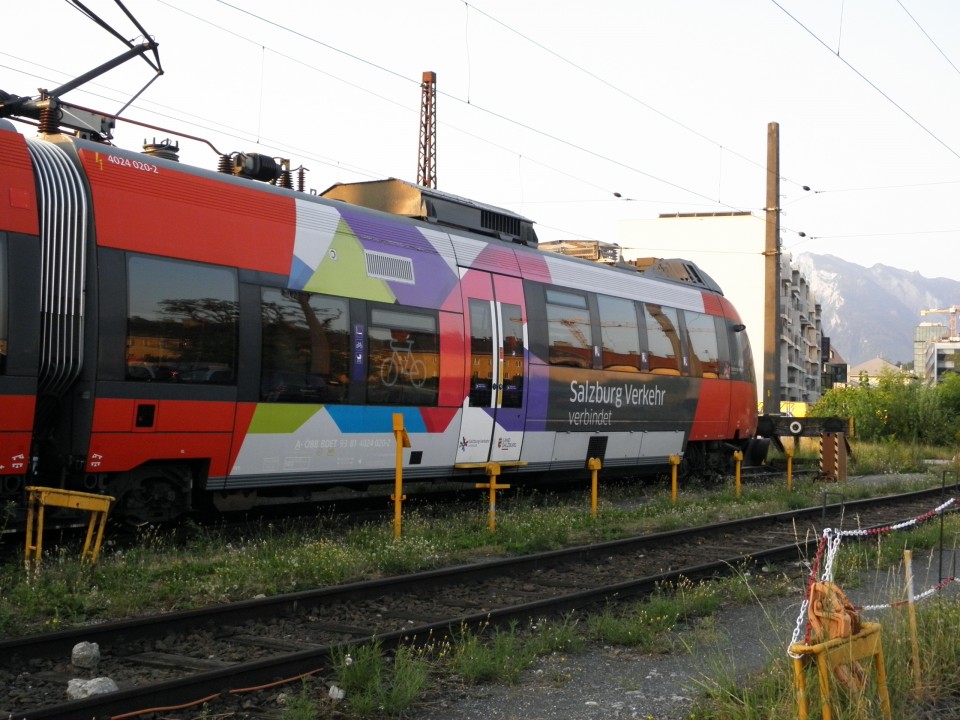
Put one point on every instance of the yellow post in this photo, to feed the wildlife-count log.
(789, 452)
(402, 441)
(738, 458)
(912, 618)
(38, 498)
(593, 464)
(493, 471)
(674, 463)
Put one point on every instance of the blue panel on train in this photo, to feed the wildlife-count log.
(355, 419)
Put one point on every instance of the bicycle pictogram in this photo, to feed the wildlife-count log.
(402, 363)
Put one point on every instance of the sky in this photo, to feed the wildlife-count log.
(575, 115)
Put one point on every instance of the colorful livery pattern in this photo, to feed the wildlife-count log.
(178, 337)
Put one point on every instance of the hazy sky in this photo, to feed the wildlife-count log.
(551, 107)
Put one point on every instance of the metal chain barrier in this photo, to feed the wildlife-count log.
(829, 545)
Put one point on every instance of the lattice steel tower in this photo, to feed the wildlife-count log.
(427, 164)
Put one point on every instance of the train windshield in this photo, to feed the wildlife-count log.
(741, 360)
(3, 305)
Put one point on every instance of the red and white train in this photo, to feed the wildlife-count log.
(177, 337)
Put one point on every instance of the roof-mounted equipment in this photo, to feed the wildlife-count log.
(415, 201)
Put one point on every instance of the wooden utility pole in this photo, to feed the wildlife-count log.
(771, 324)
(427, 164)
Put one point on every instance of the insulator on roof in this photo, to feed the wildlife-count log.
(163, 149)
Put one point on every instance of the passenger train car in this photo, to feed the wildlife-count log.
(177, 337)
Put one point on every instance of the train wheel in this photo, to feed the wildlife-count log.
(756, 452)
(691, 463)
(151, 495)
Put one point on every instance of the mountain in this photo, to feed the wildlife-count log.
(872, 312)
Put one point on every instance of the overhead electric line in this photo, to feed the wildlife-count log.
(869, 82)
(470, 104)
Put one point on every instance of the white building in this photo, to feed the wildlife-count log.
(942, 357)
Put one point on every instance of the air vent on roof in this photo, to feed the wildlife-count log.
(389, 267)
(500, 223)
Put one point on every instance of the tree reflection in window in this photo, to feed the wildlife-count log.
(306, 347)
(181, 321)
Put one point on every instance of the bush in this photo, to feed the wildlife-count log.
(898, 408)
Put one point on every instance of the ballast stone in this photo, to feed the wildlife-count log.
(85, 655)
(78, 689)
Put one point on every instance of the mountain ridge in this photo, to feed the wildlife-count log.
(870, 312)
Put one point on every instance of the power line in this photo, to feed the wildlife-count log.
(619, 90)
(192, 120)
(927, 35)
(489, 111)
(869, 82)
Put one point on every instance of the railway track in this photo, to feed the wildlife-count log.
(169, 660)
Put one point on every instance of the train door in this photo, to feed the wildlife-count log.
(494, 409)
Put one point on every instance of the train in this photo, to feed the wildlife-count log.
(182, 338)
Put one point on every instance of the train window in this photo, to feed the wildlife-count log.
(3, 305)
(404, 356)
(570, 335)
(663, 339)
(481, 353)
(181, 321)
(306, 351)
(702, 337)
(741, 357)
(511, 318)
(619, 333)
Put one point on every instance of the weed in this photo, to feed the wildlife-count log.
(300, 706)
(378, 684)
(500, 655)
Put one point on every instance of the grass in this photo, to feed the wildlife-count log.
(679, 618)
(375, 683)
(199, 566)
(883, 458)
(204, 565)
(770, 693)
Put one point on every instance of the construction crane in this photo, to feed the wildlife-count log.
(427, 163)
(952, 311)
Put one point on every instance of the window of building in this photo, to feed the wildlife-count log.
(620, 334)
(181, 321)
(704, 350)
(306, 347)
(570, 336)
(404, 355)
(663, 339)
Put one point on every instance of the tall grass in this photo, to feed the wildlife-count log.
(771, 693)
